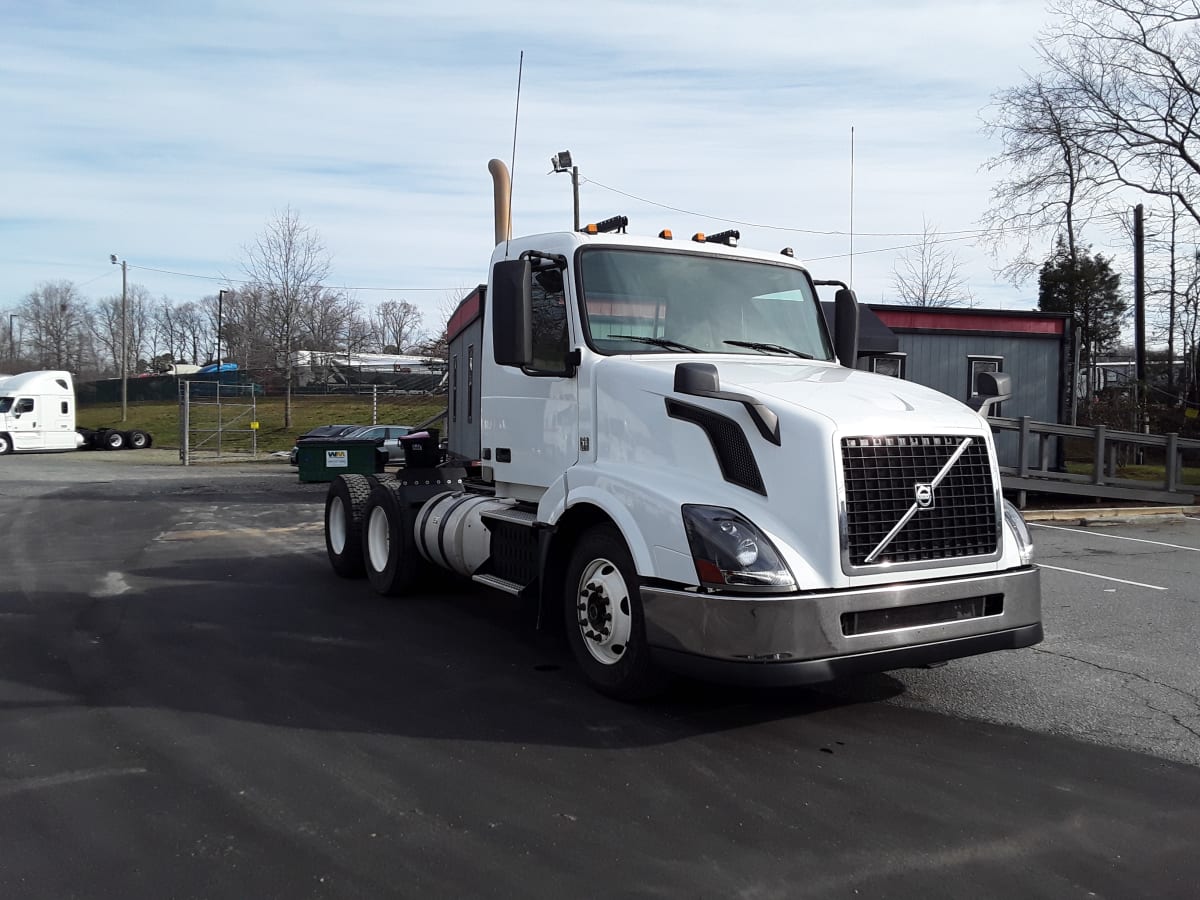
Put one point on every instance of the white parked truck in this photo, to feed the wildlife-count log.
(37, 412)
(660, 441)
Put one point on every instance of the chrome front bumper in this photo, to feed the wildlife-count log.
(801, 638)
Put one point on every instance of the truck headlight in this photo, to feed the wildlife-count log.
(1017, 523)
(730, 552)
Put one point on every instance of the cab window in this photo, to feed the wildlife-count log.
(549, 320)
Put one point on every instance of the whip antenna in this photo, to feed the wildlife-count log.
(513, 167)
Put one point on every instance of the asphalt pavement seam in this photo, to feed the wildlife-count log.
(1191, 698)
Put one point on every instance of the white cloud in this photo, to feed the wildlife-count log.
(169, 134)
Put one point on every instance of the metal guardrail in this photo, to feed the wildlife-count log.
(1106, 446)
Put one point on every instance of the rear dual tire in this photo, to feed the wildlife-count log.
(393, 564)
(344, 505)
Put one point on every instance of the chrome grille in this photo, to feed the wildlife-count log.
(882, 474)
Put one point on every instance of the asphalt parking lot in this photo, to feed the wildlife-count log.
(192, 705)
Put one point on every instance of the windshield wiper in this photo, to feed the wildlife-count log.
(657, 342)
(770, 348)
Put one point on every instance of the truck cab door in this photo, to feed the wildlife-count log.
(25, 427)
(531, 418)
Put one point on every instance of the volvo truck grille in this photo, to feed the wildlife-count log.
(947, 505)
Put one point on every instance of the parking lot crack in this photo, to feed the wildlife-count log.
(1191, 698)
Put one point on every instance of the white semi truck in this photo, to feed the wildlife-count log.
(37, 413)
(660, 441)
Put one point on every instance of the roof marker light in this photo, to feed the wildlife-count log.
(698, 237)
(616, 223)
(665, 234)
(788, 251)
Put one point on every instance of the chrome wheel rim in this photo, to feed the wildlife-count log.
(335, 525)
(379, 540)
(602, 611)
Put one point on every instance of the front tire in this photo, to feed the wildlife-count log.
(603, 617)
(344, 506)
(389, 548)
(6, 446)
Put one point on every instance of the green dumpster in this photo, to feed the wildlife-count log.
(323, 459)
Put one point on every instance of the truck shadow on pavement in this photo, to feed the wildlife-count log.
(286, 643)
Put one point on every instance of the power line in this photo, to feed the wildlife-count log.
(960, 234)
(246, 281)
(829, 233)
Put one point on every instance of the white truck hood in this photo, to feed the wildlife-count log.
(849, 400)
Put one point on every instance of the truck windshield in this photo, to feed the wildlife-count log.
(650, 301)
(5, 404)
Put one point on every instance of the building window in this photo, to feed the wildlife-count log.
(892, 365)
(977, 364)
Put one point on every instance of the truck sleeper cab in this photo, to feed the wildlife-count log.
(37, 412)
(657, 440)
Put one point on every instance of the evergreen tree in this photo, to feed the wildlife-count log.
(1086, 287)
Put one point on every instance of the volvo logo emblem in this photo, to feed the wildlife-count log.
(924, 494)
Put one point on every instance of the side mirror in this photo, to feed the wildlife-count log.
(991, 389)
(511, 299)
(845, 327)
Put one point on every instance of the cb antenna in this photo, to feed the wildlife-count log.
(513, 167)
(851, 279)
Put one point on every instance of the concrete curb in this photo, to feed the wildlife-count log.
(1110, 516)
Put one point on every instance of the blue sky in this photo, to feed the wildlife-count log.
(169, 133)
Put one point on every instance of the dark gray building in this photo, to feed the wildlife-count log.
(945, 348)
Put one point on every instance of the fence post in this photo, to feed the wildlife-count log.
(185, 423)
(1172, 461)
(1023, 447)
(1098, 456)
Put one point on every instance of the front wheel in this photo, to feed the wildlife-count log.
(6, 446)
(603, 617)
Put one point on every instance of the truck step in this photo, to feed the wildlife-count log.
(523, 517)
(500, 584)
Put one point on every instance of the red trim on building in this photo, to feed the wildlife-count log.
(467, 312)
(959, 320)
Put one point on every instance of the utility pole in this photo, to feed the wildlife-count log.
(12, 339)
(124, 338)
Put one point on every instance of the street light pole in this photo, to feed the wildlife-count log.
(562, 162)
(12, 339)
(220, 314)
(124, 338)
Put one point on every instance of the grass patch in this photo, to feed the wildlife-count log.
(161, 418)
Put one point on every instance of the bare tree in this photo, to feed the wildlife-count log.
(1129, 71)
(288, 262)
(55, 326)
(929, 274)
(398, 325)
(1046, 182)
(107, 327)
